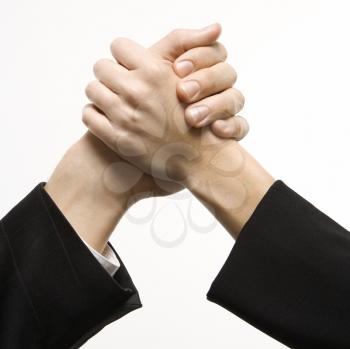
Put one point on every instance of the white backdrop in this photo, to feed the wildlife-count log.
(293, 65)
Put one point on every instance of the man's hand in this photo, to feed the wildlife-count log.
(144, 84)
(94, 203)
(199, 60)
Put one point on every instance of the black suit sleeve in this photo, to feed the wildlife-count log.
(53, 292)
(289, 274)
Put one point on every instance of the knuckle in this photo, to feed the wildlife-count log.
(228, 108)
(209, 81)
(225, 108)
(156, 73)
(222, 128)
(215, 126)
(86, 116)
(138, 92)
(174, 32)
(176, 37)
(230, 72)
(133, 119)
(118, 44)
(100, 65)
(222, 50)
(130, 117)
(241, 127)
(109, 102)
(245, 124)
(235, 101)
(177, 33)
(122, 140)
(240, 99)
(115, 44)
(90, 90)
(238, 129)
(208, 76)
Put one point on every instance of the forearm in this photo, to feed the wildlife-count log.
(285, 273)
(231, 184)
(48, 273)
(78, 188)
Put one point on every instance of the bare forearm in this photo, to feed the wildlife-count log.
(78, 188)
(231, 186)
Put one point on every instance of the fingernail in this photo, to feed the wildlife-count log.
(184, 68)
(198, 114)
(191, 88)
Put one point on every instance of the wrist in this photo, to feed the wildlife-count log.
(218, 157)
(77, 187)
(231, 183)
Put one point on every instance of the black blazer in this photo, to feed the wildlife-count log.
(53, 292)
(287, 275)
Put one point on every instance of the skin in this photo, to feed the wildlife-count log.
(78, 189)
(142, 111)
(144, 122)
(93, 186)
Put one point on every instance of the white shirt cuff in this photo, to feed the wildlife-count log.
(107, 259)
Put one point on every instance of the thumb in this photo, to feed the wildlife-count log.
(181, 40)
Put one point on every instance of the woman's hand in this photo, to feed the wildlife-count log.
(143, 119)
(201, 66)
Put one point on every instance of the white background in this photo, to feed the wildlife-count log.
(293, 63)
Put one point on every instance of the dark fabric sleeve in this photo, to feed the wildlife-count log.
(289, 274)
(53, 292)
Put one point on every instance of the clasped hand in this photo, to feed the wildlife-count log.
(162, 109)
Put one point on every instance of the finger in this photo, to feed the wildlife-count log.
(206, 82)
(220, 106)
(199, 58)
(235, 127)
(98, 124)
(181, 40)
(129, 54)
(111, 74)
(102, 96)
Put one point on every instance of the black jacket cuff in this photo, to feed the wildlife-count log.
(71, 294)
(287, 273)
